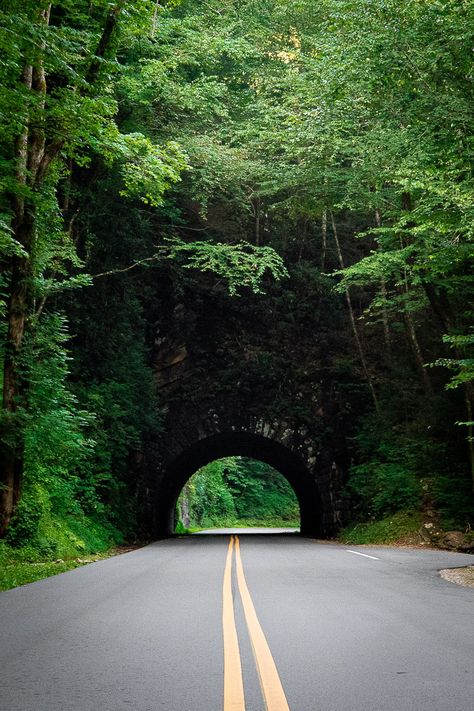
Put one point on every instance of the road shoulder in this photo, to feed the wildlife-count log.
(459, 576)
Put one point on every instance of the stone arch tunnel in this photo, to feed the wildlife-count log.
(239, 443)
(223, 391)
(195, 438)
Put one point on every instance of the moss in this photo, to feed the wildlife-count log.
(401, 527)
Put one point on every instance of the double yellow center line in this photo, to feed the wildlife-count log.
(272, 689)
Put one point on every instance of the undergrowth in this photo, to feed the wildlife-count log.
(59, 544)
(401, 527)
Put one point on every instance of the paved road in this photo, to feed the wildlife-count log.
(144, 631)
(246, 531)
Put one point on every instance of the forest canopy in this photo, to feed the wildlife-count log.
(311, 159)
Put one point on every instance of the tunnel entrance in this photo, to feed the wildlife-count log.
(238, 444)
(237, 492)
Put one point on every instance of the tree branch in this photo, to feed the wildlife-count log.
(121, 270)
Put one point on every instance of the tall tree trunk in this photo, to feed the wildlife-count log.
(256, 208)
(34, 156)
(413, 338)
(440, 305)
(304, 237)
(30, 148)
(154, 22)
(19, 305)
(355, 330)
(417, 352)
(383, 291)
(324, 239)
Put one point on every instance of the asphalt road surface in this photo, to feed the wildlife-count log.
(213, 623)
(246, 531)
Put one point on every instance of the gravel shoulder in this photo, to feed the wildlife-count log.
(459, 576)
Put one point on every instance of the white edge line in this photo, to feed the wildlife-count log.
(364, 554)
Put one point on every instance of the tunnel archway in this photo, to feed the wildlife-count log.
(233, 444)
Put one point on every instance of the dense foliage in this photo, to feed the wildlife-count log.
(74, 427)
(237, 491)
(150, 150)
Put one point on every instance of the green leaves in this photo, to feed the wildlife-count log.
(8, 244)
(241, 265)
(54, 424)
(248, 125)
(149, 170)
(238, 489)
(463, 367)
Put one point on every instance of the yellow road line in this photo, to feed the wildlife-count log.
(272, 689)
(233, 684)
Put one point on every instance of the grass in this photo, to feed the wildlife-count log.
(16, 569)
(61, 543)
(255, 523)
(399, 528)
(14, 573)
(239, 523)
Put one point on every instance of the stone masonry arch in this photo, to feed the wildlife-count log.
(239, 443)
(225, 388)
(197, 436)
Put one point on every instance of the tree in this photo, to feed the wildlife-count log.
(57, 109)
(59, 119)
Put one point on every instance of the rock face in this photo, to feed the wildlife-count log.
(431, 533)
(229, 386)
(458, 541)
(434, 535)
